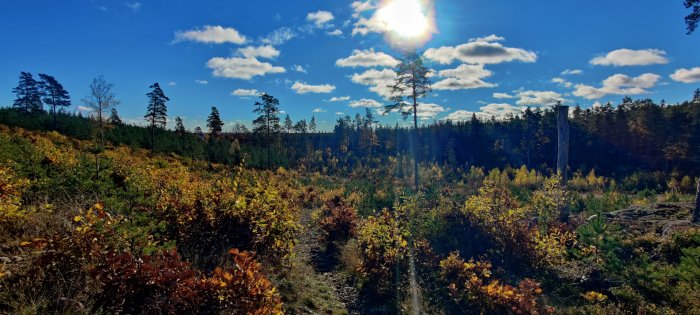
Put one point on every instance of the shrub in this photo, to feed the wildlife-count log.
(383, 241)
(470, 283)
(337, 221)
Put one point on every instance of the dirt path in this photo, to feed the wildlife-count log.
(314, 285)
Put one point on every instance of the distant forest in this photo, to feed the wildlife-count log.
(616, 141)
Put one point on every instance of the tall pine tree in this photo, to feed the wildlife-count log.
(157, 111)
(100, 99)
(54, 95)
(214, 122)
(411, 83)
(179, 126)
(28, 94)
(268, 121)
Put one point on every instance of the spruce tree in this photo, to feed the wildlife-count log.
(179, 126)
(54, 95)
(267, 122)
(157, 112)
(114, 118)
(312, 124)
(214, 122)
(288, 125)
(411, 83)
(28, 94)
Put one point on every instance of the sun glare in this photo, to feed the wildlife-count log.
(409, 22)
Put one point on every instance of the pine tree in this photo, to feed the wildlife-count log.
(300, 126)
(696, 96)
(411, 82)
(28, 94)
(267, 122)
(54, 95)
(214, 122)
(156, 113)
(288, 125)
(199, 133)
(100, 100)
(179, 127)
(312, 124)
(114, 118)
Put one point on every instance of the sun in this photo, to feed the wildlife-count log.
(407, 21)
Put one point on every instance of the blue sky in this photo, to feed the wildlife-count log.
(488, 57)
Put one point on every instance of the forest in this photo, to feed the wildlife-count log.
(552, 209)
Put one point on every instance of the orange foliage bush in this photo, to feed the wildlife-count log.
(470, 282)
(338, 221)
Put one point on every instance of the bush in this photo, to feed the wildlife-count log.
(383, 241)
(337, 221)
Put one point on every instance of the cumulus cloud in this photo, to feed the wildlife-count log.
(299, 68)
(361, 6)
(365, 103)
(499, 111)
(319, 18)
(367, 58)
(279, 36)
(378, 80)
(628, 57)
(339, 99)
(266, 51)
(463, 77)
(241, 68)
(319, 110)
(245, 92)
(303, 88)
(483, 50)
(539, 98)
(427, 111)
(562, 82)
(618, 84)
(339, 113)
(335, 32)
(211, 34)
(571, 72)
(202, 82)
(502, 95)
(686, 75)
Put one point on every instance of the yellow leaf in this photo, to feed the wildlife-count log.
(77, 218)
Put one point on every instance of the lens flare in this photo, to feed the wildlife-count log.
(409, 24)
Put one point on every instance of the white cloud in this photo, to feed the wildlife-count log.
(490, 38)
(245, 92)
(367, 58)
(319, 110)
(501, 111)
(336, 32)
(479, 51)
(202, 82)
(172, 83)
(539, 98)
(241, 68)
(339, 99)
(84, 108)
(628, 57)
(562, 82)
(463, 77)
(427, 111)
(361, 6)
(618, 84)
(279, 36)
(133, 5)
(299, 68)
(571, 72)
(365, 103)
(339, 113)
(303, 88)
(502, 95)
(266, 51)
(211, 34)
(378, 80)
(498, 110)
(319, 18)
(686, 75)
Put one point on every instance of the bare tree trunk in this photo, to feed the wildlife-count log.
(563, 152)
(696, 211)
(416, 176)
